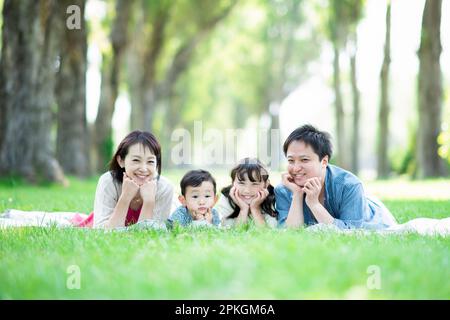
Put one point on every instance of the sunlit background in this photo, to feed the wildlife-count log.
(311, 99)
(203, 74)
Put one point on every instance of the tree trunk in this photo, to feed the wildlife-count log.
(110, 84)
(339, 109)
(27, 77)
(383, 168)
(166, 90)
(72, 136)
(135, 58)
(147, 84)
(356, 109)
(429, 164)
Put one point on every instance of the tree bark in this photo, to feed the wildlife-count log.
(429, 164)
(72, 136)
(383, 115)
(134, 59)
(165, 91)
(356, 108)
(110, 84)
(27, 78)
(148, 79)
(339, 109)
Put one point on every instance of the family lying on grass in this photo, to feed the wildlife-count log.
(312, 192)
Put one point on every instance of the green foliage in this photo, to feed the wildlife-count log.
(444, 142)
(404, 160)
(444, 137)
(256, 55)
(108, 148)
(342, 18)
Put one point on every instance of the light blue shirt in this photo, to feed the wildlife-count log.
(344, 199)
(181, 216)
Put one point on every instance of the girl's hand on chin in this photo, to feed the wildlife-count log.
(259, 199)
(237, 199)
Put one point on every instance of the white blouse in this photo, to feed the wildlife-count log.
(108, 193)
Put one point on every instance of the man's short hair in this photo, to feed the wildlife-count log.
(320, 141)
(194, 178)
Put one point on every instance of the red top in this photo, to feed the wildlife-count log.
(88, 222)
(132, 216)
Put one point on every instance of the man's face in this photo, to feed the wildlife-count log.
(304, 163)
(199, 199)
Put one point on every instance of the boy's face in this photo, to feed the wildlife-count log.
(304, 163)
(199, 199)
(248, 189)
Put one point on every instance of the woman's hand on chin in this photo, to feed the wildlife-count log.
(129, 188)
(148, 191)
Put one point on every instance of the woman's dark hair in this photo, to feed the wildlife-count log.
(320, 141)
(256, 172)
(194, 178)
(142, 137)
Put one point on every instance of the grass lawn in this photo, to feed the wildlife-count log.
(35, 263)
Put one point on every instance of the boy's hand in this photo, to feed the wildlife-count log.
(197, 215)
(209, 216)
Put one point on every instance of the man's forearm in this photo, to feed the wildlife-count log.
(321, 214)
(295, 216)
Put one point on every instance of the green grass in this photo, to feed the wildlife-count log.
(215, 264)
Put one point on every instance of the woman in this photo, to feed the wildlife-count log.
(133, 189)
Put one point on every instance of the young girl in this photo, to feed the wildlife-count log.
(250, 197)
(133, 189)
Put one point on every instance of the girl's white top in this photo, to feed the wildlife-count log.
(108, 193)
(224, 208)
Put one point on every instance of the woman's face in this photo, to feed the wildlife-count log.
(140, 163)
(248, 189)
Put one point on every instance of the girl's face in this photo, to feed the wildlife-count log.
(248, 189)
(140, 163)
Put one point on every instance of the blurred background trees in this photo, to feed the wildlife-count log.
(233, 64)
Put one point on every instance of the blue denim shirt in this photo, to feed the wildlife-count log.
(181, 216)
(345, 200)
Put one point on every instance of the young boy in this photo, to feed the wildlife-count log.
(198, 197)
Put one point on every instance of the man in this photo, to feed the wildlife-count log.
(314, 191)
